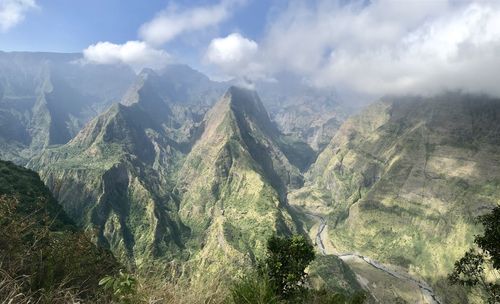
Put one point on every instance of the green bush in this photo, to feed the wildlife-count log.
(286, 261)
(470, 270)
(122, 286)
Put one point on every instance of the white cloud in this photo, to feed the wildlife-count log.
(233, 54)
(458, 50)
(166, 26)
(13, 12)
(382, 47)
(171, 22)
(137, 54)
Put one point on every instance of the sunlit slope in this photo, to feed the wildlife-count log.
(404, 179)
(233, 184)
(152, 199)
(114, 177)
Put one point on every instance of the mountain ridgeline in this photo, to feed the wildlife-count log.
(46, 98)
(212, 203)
(402, 182)
(191, 176)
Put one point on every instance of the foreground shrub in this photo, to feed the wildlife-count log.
(479, 268)
(282, 278)
(286, 261)
(123, 287)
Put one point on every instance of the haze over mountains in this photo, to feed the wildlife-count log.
(36, 89)
(173, 169)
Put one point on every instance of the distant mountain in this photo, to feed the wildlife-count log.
(403, 180)
(233, 185)
(115, 175)
(45, 99)
(310, 114)
(179, 84)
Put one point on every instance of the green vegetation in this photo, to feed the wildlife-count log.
(286, 260)
(480, 268)
(281, 278)
(43, 256)
(391, 185)
(122, 286)
(402, 186)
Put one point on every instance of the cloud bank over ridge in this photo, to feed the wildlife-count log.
(383, 47)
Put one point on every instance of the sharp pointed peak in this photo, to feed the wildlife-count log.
(244, 99)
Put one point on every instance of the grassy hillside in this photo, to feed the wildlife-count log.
(44, 257)
(403, 180)
(154, 200)
(232, 186)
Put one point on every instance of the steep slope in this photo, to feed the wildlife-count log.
(41, 250)
(403, 180)
(152, 199)
(114, 176)
(300, 110)
(233, 185)
(46, 98)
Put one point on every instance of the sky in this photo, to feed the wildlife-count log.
(361, 48)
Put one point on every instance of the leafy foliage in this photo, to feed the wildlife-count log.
(123, 286)
(286, 261)
(490, 240)
(282, 278)
(471, 270)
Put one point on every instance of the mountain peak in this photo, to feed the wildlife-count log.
(246, 104)
(143, 94)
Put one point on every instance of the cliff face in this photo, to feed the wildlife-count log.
(114, 176)
(403, 180)
(233, 184)
(212, 203)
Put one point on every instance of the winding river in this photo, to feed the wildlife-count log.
(424, 287)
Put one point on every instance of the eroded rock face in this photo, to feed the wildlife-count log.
(161, 179)
(211, 204)
(406, 176)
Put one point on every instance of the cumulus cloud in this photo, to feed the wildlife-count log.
(233, 54)
(13, 12)
(173, 22)
(137, 54)
(457, 50)
(379, 47)
(166, 26)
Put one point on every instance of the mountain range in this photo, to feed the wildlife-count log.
(170, 168)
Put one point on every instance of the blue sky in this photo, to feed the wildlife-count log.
(71, 26)
(364, 48)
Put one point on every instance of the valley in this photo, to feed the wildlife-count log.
(169, 169)
(406, 287)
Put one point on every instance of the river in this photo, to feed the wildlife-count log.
(424, 287)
